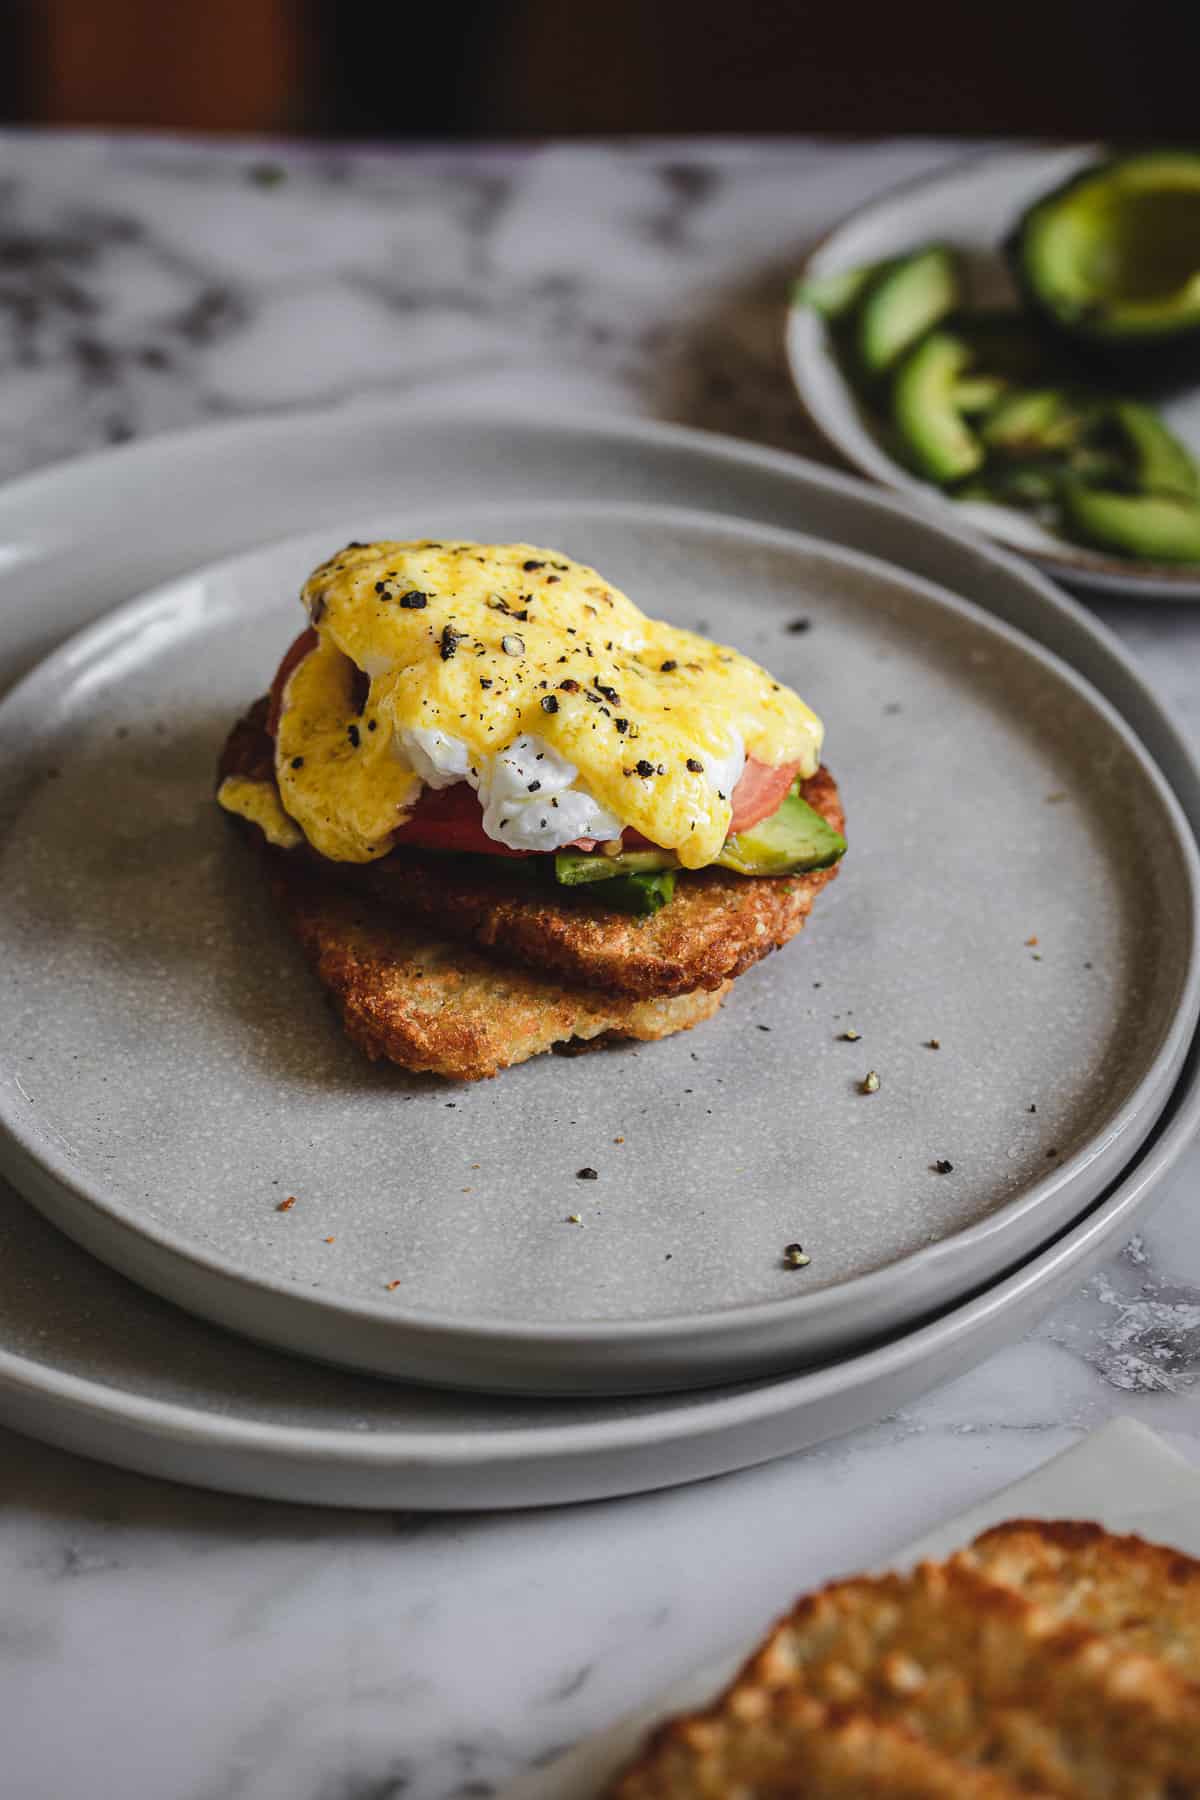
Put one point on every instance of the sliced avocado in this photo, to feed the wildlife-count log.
(908, 299)
(646, 893)
(1161, 464)
(574, 867)
(834, 296)
(1110, 260)
(1033, 483)
(932, 434)
(793, 838)
(979, 393)
(1102, 467)
(1158, 527)
(1038, 422)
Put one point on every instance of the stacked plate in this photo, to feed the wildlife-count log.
(1012, 947)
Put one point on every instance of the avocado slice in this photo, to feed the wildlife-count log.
(1110, 261)
(640, 894)
(1037, 422)
(908, 299)
(636, 881)
(835, 296)
(795, 837)
(1161, 464)
(572, 868)
(976, 394)
(1032, 484)
(1158, 527)
(933, 436)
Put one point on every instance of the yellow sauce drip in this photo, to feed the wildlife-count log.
(259, 802)
(487, 642)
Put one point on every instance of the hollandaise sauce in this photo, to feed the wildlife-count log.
(573, 716)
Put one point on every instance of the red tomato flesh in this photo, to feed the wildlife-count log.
(451, 819)
(760, 792)
(307, 641)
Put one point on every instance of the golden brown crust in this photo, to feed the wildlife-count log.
(717, 925)
(805, 1749)
(987, 1679)
(440, 1007)
(1142, 1596)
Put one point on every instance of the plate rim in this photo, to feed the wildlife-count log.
(806, 345)
(747, 1402)
(1070, 1179)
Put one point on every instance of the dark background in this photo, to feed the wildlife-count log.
(1120, 69)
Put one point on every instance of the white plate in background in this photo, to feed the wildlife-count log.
(972, 206)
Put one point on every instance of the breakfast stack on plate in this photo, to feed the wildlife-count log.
(1046, 1659)
(503, 810)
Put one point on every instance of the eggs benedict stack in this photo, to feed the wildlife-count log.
(490, 746)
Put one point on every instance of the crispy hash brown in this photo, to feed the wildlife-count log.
(406, 994)
(1047, 1659)
(1142, 1595)
(717, 925)
(412, 997)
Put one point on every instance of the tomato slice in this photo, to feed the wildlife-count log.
(296, 654)
(760, 792)
(451, 819)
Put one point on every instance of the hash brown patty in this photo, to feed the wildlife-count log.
(717, 925)
(1048, 1659)
(406, 994)
(415, 999)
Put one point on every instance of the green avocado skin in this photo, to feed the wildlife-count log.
(640, 894)
(1157, 527)
(910, 296)
(577, 868)
(1162, 465)
(794, 838)
(931, 432)
(1149, 346)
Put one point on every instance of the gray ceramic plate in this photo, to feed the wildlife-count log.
(81, 1351)
(971, 206)
(82, 1359)
(175, 1073)
(98, 1366)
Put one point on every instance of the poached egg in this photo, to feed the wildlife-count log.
(525, 674)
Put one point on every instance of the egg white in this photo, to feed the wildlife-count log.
(531, 797)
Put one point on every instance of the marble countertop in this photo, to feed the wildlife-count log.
(165, 1643)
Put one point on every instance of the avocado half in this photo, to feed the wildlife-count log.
(1110, 262)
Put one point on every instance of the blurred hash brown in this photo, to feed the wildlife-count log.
(1048, 1659)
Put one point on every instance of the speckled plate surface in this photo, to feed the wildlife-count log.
(174, 1073)
(102, 1367)
(972, 206)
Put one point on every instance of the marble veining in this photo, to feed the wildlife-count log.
(165, 1643)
